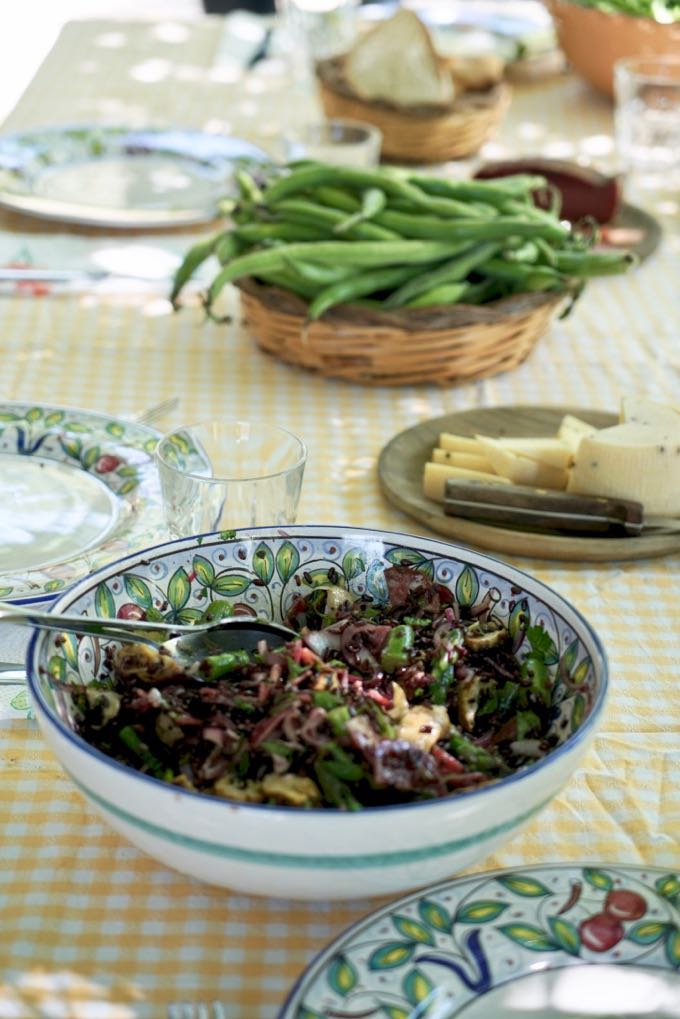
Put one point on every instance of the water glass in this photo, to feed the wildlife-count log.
(647, 117)
(222, 475)
(316, 29)
(342, 142)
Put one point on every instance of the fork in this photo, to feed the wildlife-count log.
(158, 411)
(197, 1010)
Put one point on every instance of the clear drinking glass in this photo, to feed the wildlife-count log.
(647, 117)
(343, 142)
(316, 29)
(221, 475)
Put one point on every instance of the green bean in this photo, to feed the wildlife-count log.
(528, 211)
(473, 755)
(395, 652)
(446, 293)
(297, 210)
(256, 233)
(358, 285)
(545, 252)
(593, 263)
(526, 252)
(360, 254)
(372, 202)
(194, 258)
(247, 187)
(494, 191)
(215, 666)
(471, 229)
(337, 198)
(453, 271)
(480, 293)
(228, 246)
(132, 740)
(361, 178)
(319, 275)
(287, 279)
(526, 277)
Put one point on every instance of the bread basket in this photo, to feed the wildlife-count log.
(424, 134)
(444, 345)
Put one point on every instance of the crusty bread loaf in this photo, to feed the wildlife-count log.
(396, 62)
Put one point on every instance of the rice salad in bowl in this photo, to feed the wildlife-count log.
(433, 701)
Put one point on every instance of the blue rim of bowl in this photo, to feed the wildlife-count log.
(335, 532)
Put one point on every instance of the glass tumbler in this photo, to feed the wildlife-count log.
(223, 475)
(647, 118)
(341, 142)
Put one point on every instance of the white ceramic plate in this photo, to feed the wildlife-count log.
(118, 177)
(79, 490)
(551, 942)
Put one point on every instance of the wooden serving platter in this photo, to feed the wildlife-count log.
(400, 471)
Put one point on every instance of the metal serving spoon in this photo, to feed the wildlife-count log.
(186, 643)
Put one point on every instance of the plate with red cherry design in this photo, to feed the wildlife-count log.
(79, 490)
(562, 941)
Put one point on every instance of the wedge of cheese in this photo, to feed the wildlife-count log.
(572, 430)
(551, 451)
(631, 461)
(435, 477)
(637, 410)
(470, 460)
(520, 470)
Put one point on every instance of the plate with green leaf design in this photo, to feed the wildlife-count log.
(79, 490)
(564, 941)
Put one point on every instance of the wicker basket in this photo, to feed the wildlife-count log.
(442, 345)
(424, 134)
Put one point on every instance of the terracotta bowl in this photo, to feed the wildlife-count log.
(593, 41)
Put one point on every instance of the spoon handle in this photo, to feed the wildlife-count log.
(130, 630)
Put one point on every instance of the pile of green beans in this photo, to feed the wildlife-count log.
(393, 239)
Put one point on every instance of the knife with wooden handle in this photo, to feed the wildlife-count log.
(542, 509)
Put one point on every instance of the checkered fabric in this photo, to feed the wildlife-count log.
(85, 916)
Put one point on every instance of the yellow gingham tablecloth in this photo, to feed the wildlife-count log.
(87, 917)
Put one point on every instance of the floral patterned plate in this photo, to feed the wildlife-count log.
(79, 490)
(551, 942)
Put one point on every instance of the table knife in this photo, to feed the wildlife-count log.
(543, 509)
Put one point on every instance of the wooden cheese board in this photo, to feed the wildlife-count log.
(400, 471)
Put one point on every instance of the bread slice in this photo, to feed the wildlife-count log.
(396, 62)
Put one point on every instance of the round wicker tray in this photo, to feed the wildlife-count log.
(442, 345)
(423, 134)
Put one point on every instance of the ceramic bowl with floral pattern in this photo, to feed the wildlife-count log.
(315, 853)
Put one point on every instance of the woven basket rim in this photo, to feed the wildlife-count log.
(467, 104)
(441, 317)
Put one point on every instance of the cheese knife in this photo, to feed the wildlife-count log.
(545, 509)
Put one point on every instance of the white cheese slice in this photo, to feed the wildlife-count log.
(631, 461)
(572, 430)
(459, 443)
(520, 470)
(638, 410)
(470, 460)
(551, 451)
(435, 477)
